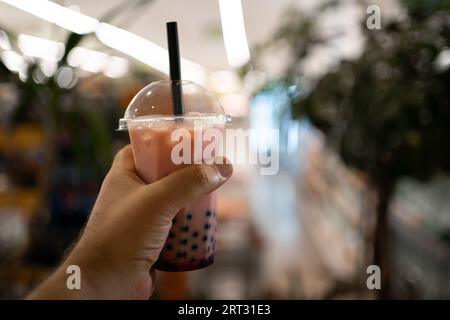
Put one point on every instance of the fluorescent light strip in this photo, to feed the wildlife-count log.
(116, 67)
(12, 60)
(146, 52)
(95, 61)
(50, 52)
(124, 41)
(86, 59)
(4, 41)
(233, 29)
(59, 15)
(40, 48)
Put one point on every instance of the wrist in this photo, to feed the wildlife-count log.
(56, 288)
(102, 276)
(94, 270)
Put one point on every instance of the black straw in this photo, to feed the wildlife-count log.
(175, 70)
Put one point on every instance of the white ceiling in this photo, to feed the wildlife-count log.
(198, 23)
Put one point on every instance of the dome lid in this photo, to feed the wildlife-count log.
(153, 105)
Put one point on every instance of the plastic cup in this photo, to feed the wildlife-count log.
(149, 119)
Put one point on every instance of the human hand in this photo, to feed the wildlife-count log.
(127, 229)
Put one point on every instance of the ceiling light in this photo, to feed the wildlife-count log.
(233, 29)
(62, 16)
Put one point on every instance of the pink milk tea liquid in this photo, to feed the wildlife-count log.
(191, 243)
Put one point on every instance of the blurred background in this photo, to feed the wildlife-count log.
(363, 114)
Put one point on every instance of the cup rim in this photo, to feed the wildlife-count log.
(160, 120)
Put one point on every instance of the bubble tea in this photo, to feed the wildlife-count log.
(154, 133)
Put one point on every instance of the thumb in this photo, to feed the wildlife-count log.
(172, 193)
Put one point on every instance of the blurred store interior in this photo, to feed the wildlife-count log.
(363, 117)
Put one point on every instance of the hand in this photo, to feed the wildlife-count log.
(127, 229)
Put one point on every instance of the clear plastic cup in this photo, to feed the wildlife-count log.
(149, 119)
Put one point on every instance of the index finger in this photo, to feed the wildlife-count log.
(124, 159)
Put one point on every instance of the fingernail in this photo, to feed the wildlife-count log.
(225, 169)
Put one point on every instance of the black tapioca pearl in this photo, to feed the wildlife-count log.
(189, 216)
(205, 238)
(195, 234)
(194, 247)
(181, 255)
(171, 235)
(207, 226)
(183, 241)
(174, 220)
(208, 213)
(169, 247)
(185, 228)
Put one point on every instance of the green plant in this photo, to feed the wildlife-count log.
(387, 113)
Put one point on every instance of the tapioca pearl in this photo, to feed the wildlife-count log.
(194, 246)
(185, 228)
(208, 213)
(195, 234)
(171, 235)
(181, 255)
(189, 216)
(205, 238)
(174, 220)
(207, 226)
(169, 247)
(183, 241)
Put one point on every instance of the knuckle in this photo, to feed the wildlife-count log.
(122, 152)
(200, 175)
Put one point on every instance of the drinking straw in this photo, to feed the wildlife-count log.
(175, 70)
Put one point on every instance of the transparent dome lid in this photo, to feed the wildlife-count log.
(153, 105)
